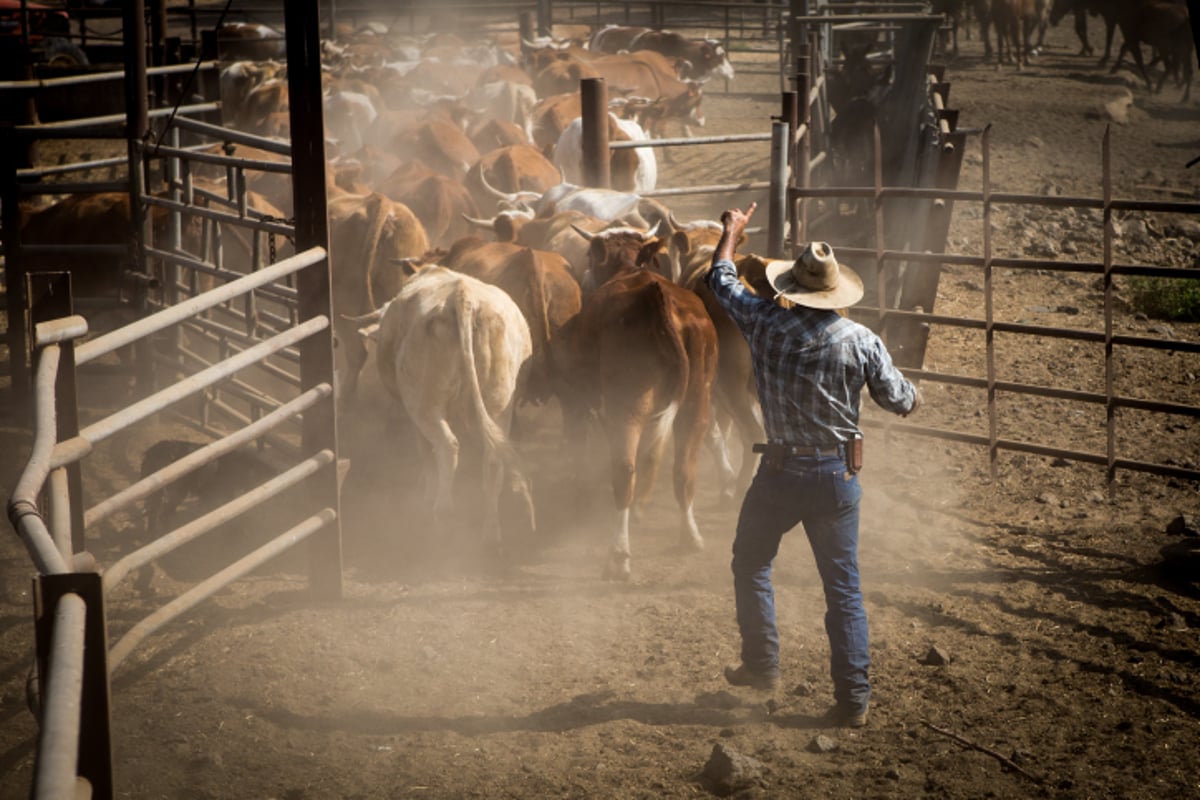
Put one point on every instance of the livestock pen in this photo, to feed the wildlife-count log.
(406, 618)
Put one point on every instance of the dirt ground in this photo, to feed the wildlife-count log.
(1071, 652)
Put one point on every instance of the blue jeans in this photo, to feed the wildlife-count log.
(822, 495)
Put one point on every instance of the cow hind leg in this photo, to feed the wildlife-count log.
(624, 474)
(444, 444)
(652, 446)
(690, 426)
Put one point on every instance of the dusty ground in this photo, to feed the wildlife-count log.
(444, 675)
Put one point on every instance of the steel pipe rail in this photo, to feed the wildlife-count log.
(78, 166)
(101, 77)
(206, 455)
(214, 332)
(689, 140)
(163, 151)
(218, 516)
(996, 198)
(72, 187)
(22, 509)
(103, 345)
(1016, 446)
(72, 125)
(277, 228)
(102, 429)
(58, 739)
(720, 187)
(1077, 395)
(56, 331)
(237, 137)
(207, 588)
(282, 294)
(217, 197)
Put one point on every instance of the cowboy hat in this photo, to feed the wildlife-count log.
(815, 279)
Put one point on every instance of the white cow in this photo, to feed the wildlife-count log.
(568, 155)
(455, 351)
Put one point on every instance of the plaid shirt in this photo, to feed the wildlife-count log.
(809, 365)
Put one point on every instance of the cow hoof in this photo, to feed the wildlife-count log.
(617, 568)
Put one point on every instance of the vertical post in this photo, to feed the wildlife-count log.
(777, 203)
(804, 156)
(95, 762)
(137, 126)
(594, 102)
(545, 17)
(158, 46)
(302, 22)
(989, 333)
(882, 302)
(525, 26)
(333, 31)
(49, 296)
(14, 270)
(1110, 408)
(791, 115)
(209, 79)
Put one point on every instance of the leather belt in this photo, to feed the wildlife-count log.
(779, 450)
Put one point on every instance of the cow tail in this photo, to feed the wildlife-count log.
(377, 216)
(494, 439)
(668, 336)
(542, 309)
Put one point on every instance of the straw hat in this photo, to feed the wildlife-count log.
(815, 279)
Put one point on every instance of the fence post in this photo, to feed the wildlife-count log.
(50, 298)
(313, 284)
(525, 27)
(790, 114)
(95, 720)
(778, 197)
(545, 17)
(14, 272)
(804, 84)
(594, 102)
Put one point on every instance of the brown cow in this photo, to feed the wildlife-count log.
(96, 219)
(735, 397)
(442, 204)
(439, 144)
(516, 168)
(367, 234)
(643, 353)
(551, 116)
(693, 59)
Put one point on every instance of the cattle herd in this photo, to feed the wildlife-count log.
(465, 249)
(1162, 25)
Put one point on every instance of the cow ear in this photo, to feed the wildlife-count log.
(597, 250)
(649, 250)
(680, 242)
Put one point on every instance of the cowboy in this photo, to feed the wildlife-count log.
(810, 364)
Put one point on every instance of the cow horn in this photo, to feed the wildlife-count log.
(493, 190)
(483, 223)
(674, 223)
(583, 232)
(650, 234)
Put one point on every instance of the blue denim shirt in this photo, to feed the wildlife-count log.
(810, 365)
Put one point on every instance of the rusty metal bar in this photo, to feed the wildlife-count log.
(285, 295)
(205, 455)
(175, 539)
(320, 429)
(246, 221)
(989, 323)
(58, 737)
(777, 199)
(215, 332)
(597, 170)
(103, 345)
(1110, 414)
(207, 588)
(880, 243)
(118, 421)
